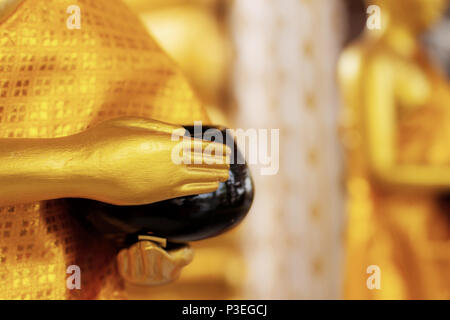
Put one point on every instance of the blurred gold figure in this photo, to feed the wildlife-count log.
(396, 129)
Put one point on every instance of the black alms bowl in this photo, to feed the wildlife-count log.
(178, 220)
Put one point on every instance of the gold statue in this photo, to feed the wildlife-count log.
(86, 113)
(396, 129)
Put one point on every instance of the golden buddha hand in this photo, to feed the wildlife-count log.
(147, 264)
(125, 161)
(131, 162)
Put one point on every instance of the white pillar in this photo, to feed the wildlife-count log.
(284, 77)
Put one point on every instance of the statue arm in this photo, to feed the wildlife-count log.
(35, 169)
(125, 161)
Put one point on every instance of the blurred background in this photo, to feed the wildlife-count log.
(272, 64)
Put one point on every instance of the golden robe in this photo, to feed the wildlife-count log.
(56, 81)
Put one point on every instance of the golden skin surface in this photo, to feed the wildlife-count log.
(395, 127)
(124, 161)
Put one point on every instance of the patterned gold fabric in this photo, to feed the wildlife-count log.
(55, 82)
